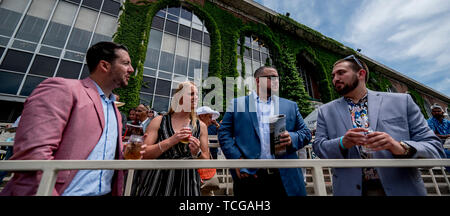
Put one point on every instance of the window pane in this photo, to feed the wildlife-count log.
(163, 87)
(34, 22)
(247, 52)
(248, 67)
(158, 23)
(93, 3)
(44, 66)
(59, 27)
(186, 14)
(196, 35)
(181, 65)
(166, 61)
(205, 54)
(16, 61)
(1, 51)
(105, 28)
(171, 27)
(150, 72)
(10, 13)
(10, 82)
(24, 45)
(194, 65)
(172, 17)
(195, 19)
(185, 31)
(151, 59)
(205, 70)
(155, 39)
(168, 43)
(207, 40)
(81, 34)
(256, 55)
(74, 56)
(68, 69)
(161, 104)
(148, 84)
(111, 7)
(146, 99)
(182, 47)
(165, 75)
(30, 84)
(195, 51)
(174, 10)
(85, 72)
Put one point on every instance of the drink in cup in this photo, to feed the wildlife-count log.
(186, 140)
(133, 149)
(363, 147)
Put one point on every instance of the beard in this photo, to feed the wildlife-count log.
(348, 87)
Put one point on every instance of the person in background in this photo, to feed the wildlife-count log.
(132, 116)
(370, 124)
(245, 134)
(209, 116)
(142, 116)
(68, 119)
(440, 126)
(177, 135)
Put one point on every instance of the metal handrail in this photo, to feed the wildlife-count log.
(51, 167)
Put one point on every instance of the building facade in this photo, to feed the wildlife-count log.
(171, 41)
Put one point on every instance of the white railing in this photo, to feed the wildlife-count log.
(51, 167)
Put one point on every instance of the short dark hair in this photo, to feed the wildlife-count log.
(261, 70)
(103, 50)
(355, 66)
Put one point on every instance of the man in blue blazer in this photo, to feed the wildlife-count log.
(399, 131)
(245, 134)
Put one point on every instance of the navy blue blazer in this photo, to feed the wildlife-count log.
(239, 137)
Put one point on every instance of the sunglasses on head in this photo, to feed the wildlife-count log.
(352, 57)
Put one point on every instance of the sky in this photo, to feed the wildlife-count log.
(409, 36)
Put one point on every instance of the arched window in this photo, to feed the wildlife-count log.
(179, 45)
(256, 54)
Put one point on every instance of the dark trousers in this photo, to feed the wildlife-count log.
(267, 184)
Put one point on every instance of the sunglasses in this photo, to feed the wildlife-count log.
(350, 57)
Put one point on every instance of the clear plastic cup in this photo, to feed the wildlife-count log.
(133, 149)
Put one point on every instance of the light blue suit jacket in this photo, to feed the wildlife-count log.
(393, 113)
(239, 137)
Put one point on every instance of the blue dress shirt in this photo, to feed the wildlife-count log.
(98, 182)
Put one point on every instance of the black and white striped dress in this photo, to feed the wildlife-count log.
(159, 182)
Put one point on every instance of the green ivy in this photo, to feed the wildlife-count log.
(418, 99)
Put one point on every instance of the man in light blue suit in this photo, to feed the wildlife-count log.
(370, 124)
(244, 134)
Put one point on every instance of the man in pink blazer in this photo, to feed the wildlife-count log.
(66, 119)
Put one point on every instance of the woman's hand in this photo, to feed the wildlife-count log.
(194, 145)
(184, 133)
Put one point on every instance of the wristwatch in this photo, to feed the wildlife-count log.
(406, 147)
(198, 154)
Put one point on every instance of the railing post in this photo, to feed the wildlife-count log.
(47, 183)
(318, 180)
(129, 182)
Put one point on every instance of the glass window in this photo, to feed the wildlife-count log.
(151, 59)
(195, 51)
(149, 72)
(174, 10)
(50, 51)
(186, 14)
(163, 87)
(158, 23)
(85, 72)
(155, 39)
(10, 82)
(171, 27)
(1, 51)
(196, 35)
(205, 54)
(112, 7)
(248, 67)
(59, 27)
(24, 45)
(181, 65)
(44, 66)
(74, 56)
(148, 84)
(16, 61)
(146, 99)
(68, 69)
(161, 104)
(195, 19)
(166, 61)
(165, 75)
(81, 33)
(205, 70)
(207, 40)
(256, 55)
(34, 22)
(169, 43)
(185, 31)
(182, 47)
(105, 29)
(10, 13)
(194, 66)
(30, 84)
(93, 4)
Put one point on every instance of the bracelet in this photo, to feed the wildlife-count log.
(159, 144)
(198, 154)
(341, 144)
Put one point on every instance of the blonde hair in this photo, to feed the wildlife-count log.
(175, 106)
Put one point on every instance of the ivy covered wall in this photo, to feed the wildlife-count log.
(225, 30)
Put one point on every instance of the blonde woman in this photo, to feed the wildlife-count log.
(176, 135)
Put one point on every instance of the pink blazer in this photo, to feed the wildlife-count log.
(62, 120)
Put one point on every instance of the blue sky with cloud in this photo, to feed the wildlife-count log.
(409, 36)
